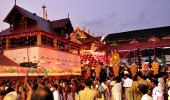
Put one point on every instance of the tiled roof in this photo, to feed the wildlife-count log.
(6, 61)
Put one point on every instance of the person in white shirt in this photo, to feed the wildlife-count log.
(56, 94)
(143, 90)
(117, 90)
(11, 96)
(127, 85)
(157, 92)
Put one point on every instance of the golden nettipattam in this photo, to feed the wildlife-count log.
(97, 70)
(133, 69)
(116, 62)
(155, 67)
(87, 69)
(115, 69)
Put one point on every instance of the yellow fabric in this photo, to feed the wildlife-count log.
(128, 94)
(87, 94)
(135, 91)
(144, 82)
(102, 98)
(155, 67)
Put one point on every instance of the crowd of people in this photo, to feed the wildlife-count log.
(123, 87)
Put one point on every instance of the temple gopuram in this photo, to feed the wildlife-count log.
(35, 41)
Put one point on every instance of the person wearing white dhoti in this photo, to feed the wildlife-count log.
(116, 90)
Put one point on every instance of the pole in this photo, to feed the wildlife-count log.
(107, 65)
(163, 60)
(15, 2)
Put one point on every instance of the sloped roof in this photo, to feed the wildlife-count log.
(142, 34)
(5, 32)
(98, 38)
(80, 31)
(59, 23)
(74, 39)
(93, 39)
(43, 24)
(5, 61)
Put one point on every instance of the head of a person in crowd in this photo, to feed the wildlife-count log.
(11, 96)
(87, 82)
(155, 82)
(68, 89)
(2, 94)
(41, 84)
(143, 89)
(42, 94)
(21, 89)
(164, 76)
(126, 75)
(54, 87)
(118, 79)
(2, 86)
(144, 77)
(48, 84)
(53, 79)
(35, 86)
(139, 74)
(135, 78)
(9, 89)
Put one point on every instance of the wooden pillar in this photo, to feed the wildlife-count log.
(7, 43)
(68, 47)
(55, 43)
(62, 32)
(39, 39)
(78, 50)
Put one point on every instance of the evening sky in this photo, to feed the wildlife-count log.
(98, 16)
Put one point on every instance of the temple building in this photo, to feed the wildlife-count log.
(31, 39)
(140, 46)
(90, 43)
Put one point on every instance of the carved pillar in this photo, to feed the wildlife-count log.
(7, 43)
(39, 39)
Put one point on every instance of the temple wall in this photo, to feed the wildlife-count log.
(56, 61)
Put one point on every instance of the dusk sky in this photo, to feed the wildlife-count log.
(98, 16)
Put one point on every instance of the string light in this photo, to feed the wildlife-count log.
(30, 39)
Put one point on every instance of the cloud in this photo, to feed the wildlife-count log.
(100, 24)
(94, 23)
(139, 21)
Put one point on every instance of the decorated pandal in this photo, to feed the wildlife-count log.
(92, 61)
(94, 58)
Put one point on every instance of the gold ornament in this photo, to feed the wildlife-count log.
(97, 70)
(133, 69)
(115, 69)
(155, 67)
(115, 58)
